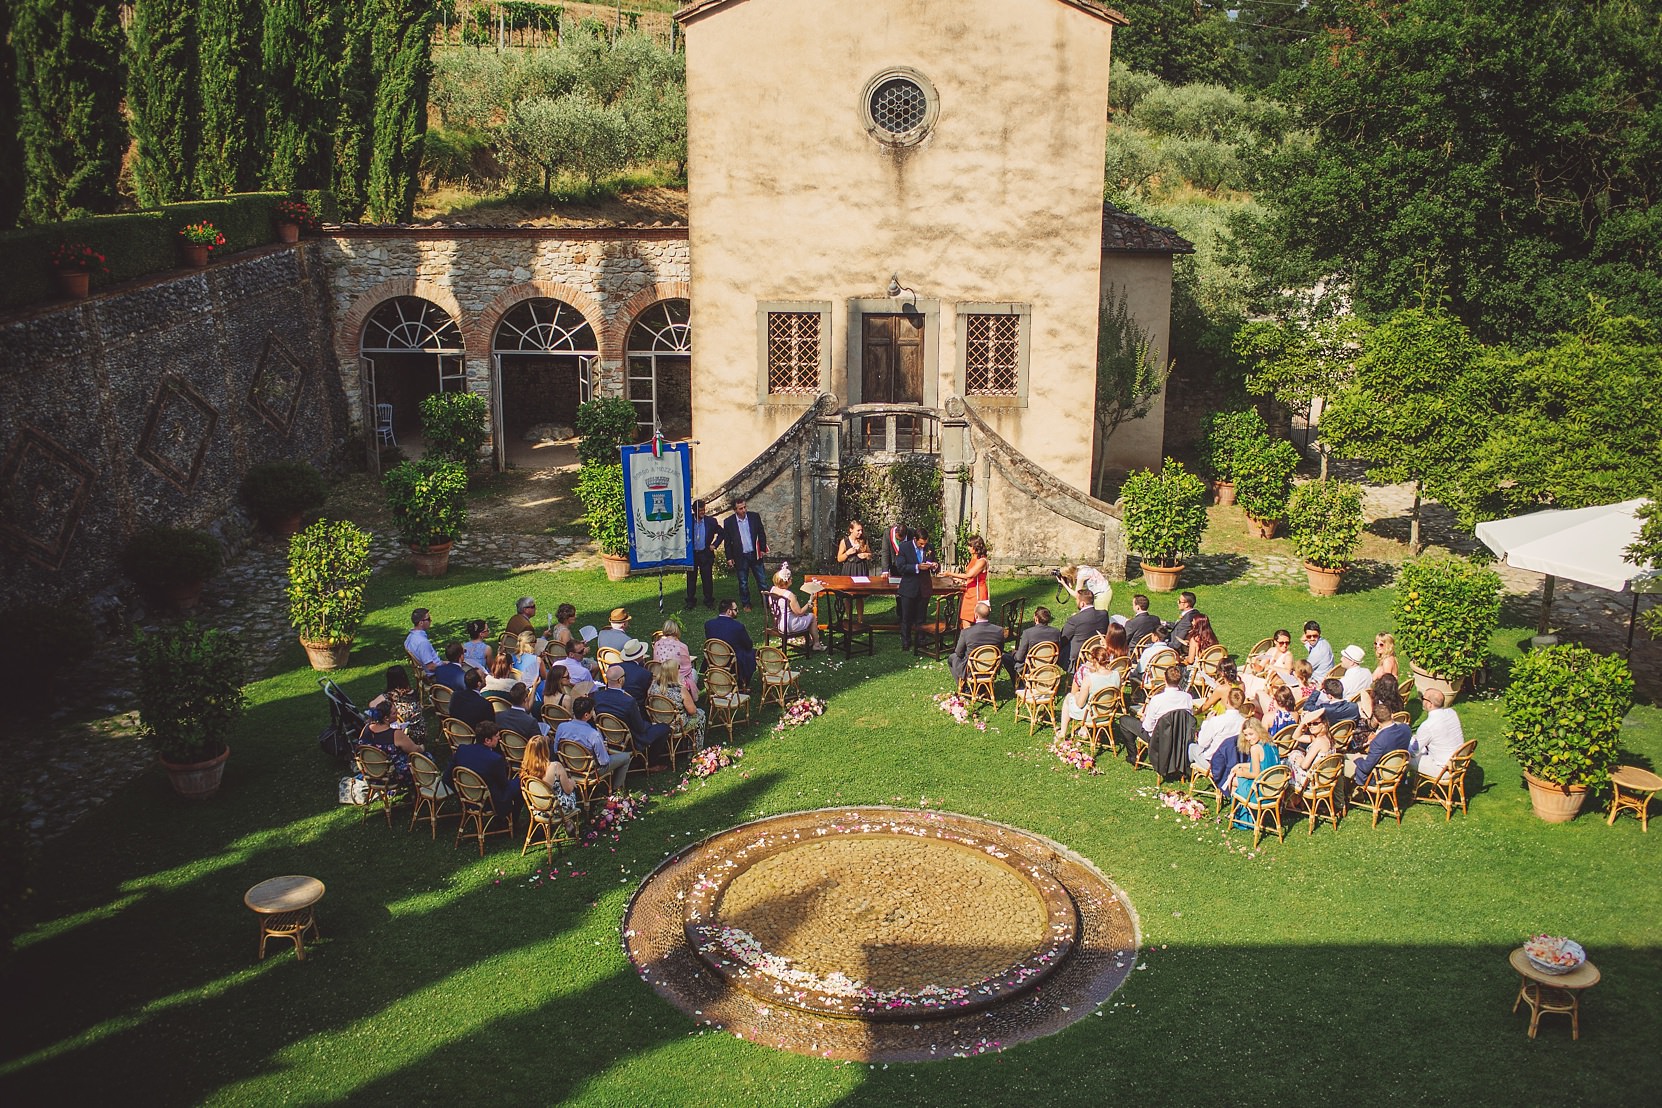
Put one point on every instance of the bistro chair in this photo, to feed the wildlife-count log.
(591, 779)
(1448, 788)
(1322, 791)
(981, 670)
(375, 768)
(1380, 792)
(683, 732)
(1041, 689)
(1262, 802)
(430, 792)
(619, 738)
(545, 822)
(478, 812)
(727, 704)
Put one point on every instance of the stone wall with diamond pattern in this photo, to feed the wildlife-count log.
(145, 405)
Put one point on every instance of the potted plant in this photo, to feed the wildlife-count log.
(171, 564)
(1324, 520)
(1264, 471)
(280, 493)
(328, 572)
(74, 263)
(455, 425)
(198, 240)
(1223, 436)
(1564, 710)
(428, 500)
(1445, 613)
(189, 697)
(1164, 516)
(604, 426)
(292, 217)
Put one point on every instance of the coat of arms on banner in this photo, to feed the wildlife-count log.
(657, 482)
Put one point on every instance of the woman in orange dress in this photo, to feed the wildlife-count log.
(974, 579)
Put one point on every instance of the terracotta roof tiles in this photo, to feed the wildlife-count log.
(1123, 232)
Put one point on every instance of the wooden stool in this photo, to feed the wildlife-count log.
(1547, 993)
(1642, 784)
(286, 907)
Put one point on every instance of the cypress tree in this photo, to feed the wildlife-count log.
(11, 151)
(301, 48)
(355, 128)
(69, 83)
(403, 51)
(162, 99)
(231, 146)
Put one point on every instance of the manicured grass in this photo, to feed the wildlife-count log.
(1368, 965)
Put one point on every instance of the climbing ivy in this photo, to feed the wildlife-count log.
(880, 496)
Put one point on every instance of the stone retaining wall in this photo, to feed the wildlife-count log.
(147, 403)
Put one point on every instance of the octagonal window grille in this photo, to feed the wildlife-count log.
(900, 106)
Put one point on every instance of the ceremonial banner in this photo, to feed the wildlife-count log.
(657, 489)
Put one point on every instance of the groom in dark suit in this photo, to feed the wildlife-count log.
(913, 595)
(706, 536)
(746, 541)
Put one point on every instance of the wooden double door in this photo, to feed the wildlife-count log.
(891, 372)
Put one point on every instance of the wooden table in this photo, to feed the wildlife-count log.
(1642, 784)
(880, 585)
(286, 908)
(1549, 992)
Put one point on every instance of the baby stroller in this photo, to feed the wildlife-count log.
(346, 722)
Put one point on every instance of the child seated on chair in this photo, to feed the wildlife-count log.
(792, 617)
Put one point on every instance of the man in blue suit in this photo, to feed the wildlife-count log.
(706, 536)
(652, 739)
(916, 571)
(726, 627)
(1390, 736)
(482, 757)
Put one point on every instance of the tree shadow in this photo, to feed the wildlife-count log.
(1214, 569)
(1367, 574)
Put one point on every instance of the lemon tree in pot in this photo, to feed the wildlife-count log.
(1324, 519)
(1264, 471)
(428, 500)
(1564, 710)
(1164, 516)
(1224, 438)
(604, 426)
(328, 572)
(189, 697)
(1446, 611)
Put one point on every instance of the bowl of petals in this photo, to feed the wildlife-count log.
(1554, 955)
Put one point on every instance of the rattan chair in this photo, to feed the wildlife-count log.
(1038, 696)
(1201, 785)
(499, 702)
(555, 714)
(508, 641)
(1448, 788)
(512, 746)
(591, 779)
(1263, 802)
(1041, 654)
(455, 732)
(683, 733)
(848, 627)
(1401, 717)
(1380, 792)
(779, 680)
(441, 695)
(1341, 733)
(719, 655)
(935, 636)
(430, 792)
(423, 684)
(1086, 647)
(1105, 705)
(619, 738)
(375, 768)
(1259, 647)
(1283, 738)
(478, 812)
(1144, 643)
(545, 822)
(727, 703)
(1322, 789)
(1206, 669)
(1162, 661)
(981, 668)
(608, 656)
(555, 651)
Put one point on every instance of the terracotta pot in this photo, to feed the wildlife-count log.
(1424, 681)
(617, 566)
(1555, 803)
(1263, 528)
(431, 562)
(1323, 582)
(197, 780)
(74, 283)
(287, 232)
(324, 656)
(1160, 578)
(196, 256)
(1223, 493)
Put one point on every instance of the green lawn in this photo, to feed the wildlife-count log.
(1359, 964)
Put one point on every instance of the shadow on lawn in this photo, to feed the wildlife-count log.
(144, 986)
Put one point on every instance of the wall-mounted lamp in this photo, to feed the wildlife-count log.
(896, 288)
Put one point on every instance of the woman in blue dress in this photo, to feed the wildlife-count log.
(1256, 754)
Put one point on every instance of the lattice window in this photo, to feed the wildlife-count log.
(992, 355)
(793, 352)
(898, 105)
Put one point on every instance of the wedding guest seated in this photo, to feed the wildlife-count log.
(670, 648)
(1354, 677)
(637, 678)
(1275, 659)
(503, 675)
(1170, 698)
(451, 672)
(1285, 709)
(1219, 729)
(616, 634)
(1304, 681)
(1201, 639)
(1256, 754)
(417, 645)
(476, 652)
(469, 705)
(578, 666)
(1217, 689)
(402, 704)
(982, 631)
(726, 627)
(558, 691)
(652, 739)
(528, 662)
(1150, 652)
(581, 730)
(794, 617)
(482, 757)
(1439, 736)
(1385, 691)
(1312, 743)
(1141, 623)
(537, 765)
(1331, 696)
(1041, 631)
(1088, 621)
(525, 612)
(518, 718)
(391, 738)
(565, 626)
(1094, 674)
(667, 683)
(1387, 737)
(1178, 636)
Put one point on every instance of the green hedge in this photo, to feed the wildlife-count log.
(135, 244)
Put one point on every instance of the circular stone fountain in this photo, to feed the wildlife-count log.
(881, 933)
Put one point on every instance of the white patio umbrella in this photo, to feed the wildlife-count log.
(1582, 544)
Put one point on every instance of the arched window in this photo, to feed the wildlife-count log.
(408, 323)
(410, 349)
(545, 352)
(659, 358)
(544, 326)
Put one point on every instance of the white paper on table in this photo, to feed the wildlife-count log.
(861, 580)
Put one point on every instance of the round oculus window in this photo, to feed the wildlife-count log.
(899, 106)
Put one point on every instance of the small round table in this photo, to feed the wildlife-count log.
(1642, 784)
(1548, 992)
(285, 906)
